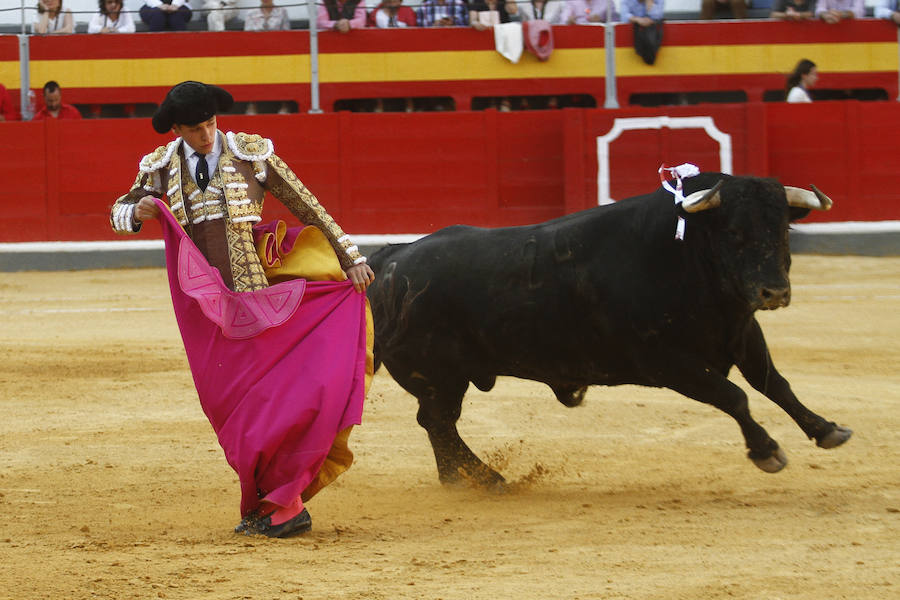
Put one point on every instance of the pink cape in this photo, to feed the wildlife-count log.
(280, 371)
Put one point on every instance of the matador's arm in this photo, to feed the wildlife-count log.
(285, 186)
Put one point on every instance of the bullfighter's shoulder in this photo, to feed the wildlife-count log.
(250, 146)
(159, 158)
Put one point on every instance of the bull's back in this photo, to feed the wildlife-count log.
(509, 301)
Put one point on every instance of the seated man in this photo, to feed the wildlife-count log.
(835, 11)
(391, 13)
(162, 15)
(793, 10)
(585, 12)
(709, 8)
(54, 108)
(219, 12)
(341, 15)
(443, 13)
(887, 9)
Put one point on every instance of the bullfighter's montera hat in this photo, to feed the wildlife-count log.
(189, 103)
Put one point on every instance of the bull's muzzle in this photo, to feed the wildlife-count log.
(770, 298)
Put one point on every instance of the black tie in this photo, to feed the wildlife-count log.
(202, 172)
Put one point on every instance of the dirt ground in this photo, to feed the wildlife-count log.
(112, 484)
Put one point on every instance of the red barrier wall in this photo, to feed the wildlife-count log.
(417, 172)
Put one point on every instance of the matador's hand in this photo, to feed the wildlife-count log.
(145, 209)
(361, 275)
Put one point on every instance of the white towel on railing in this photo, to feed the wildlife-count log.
(509, 41)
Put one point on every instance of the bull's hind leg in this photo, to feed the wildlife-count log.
(759, 371)
(440, 404)
(712, 388)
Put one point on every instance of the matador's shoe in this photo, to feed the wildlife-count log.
(254, 524)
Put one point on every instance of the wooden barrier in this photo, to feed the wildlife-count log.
(417, 172)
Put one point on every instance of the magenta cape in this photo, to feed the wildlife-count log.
(280, 371)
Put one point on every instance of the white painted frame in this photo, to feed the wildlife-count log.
(635, 123)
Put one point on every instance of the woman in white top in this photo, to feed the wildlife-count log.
(548, 10)
(53, 18)
(803, 77)
(111, 19)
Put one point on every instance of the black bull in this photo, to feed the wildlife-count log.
(606, 296)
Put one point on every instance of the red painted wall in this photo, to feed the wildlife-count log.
(417, 172)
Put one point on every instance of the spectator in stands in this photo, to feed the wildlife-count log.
(547, 10)
(583, 12)
(267, 17)
(163, 15)
(8, 110)
(111, 19)
(647, 19)
(887, 9)
(803, 77)
(391, 13)
(443, 13)
(484, 14)
(219, 12)
(835, 11)
(793, 10)
(53, 105)
(341, 15)
(52, 18)
(709, 8)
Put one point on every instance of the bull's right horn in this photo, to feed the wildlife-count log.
(801, 198)
(703, 200)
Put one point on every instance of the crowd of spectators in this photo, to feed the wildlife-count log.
(52, 17)
(127, 16)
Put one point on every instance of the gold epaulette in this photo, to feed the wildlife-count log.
(159, 158)
(250, 146)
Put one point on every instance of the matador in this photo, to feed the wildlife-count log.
(274, 320)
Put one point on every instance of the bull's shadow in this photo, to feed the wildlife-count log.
(608, 296)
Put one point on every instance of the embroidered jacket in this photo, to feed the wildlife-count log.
(220, 220)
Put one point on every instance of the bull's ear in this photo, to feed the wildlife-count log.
(801, 198)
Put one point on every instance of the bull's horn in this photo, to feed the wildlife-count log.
(805, 199)
(702, 200)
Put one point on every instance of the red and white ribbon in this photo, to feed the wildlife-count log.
(678, 173)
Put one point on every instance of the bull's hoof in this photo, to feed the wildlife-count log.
(834, 438)
(480, 476)
(774, 463)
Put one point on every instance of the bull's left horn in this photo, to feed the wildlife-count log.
(801, 198)
(702, 200)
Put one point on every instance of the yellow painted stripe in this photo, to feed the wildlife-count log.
(162, 72)
(458, 65)
(9, 73)
(762, 58)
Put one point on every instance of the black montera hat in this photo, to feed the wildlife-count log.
(189, 103)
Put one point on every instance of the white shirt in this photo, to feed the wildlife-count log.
(798, 94)
(125, 24)
(212, 159)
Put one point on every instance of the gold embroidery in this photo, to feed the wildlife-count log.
(246, 269)
(304, 204)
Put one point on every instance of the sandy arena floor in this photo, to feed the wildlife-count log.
(112, 484)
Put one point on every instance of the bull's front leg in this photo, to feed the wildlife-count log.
(756, 365)
(710, 387)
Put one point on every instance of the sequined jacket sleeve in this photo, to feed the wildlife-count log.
(147, 183)
(284, 185)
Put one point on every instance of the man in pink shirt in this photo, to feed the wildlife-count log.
(341, 16)
(53, 105)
